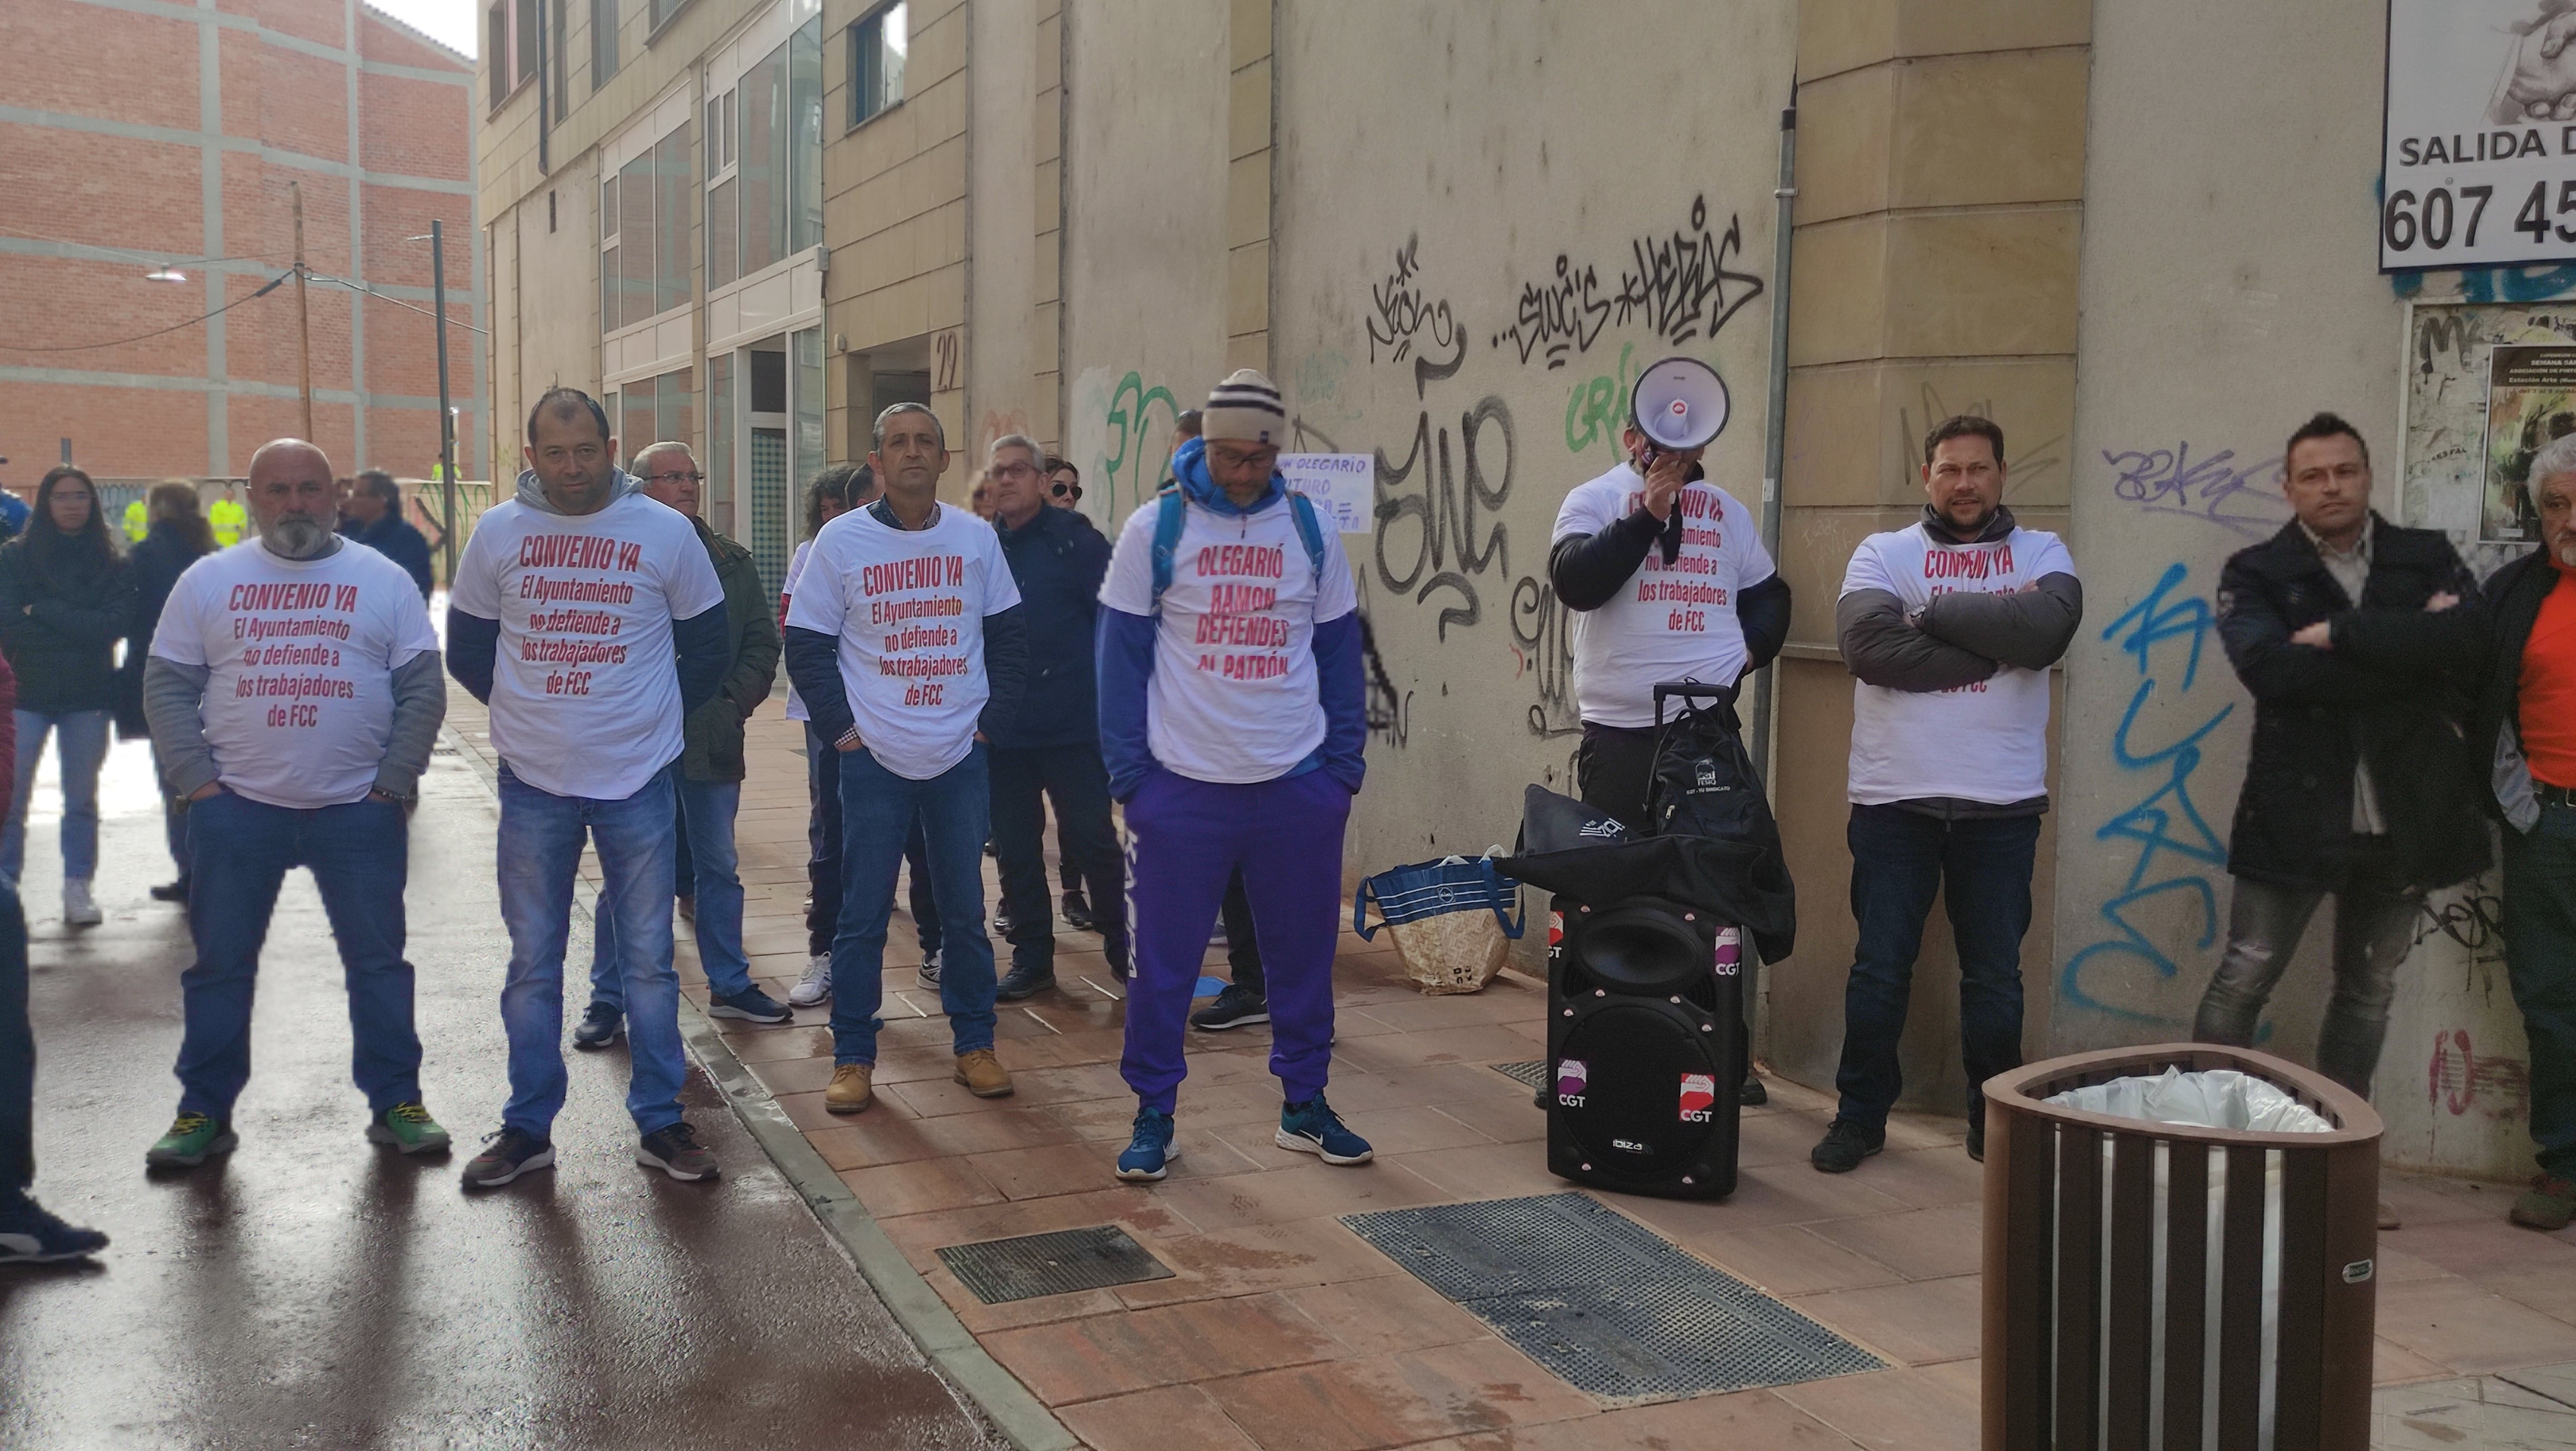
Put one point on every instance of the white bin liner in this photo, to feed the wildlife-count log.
(2219, 1098)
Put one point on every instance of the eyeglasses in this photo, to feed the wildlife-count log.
(1014, 471)
(676, 477)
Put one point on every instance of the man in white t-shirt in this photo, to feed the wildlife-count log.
(294, 693)
(1950, 625)
(905, 640)
(589, 619)
(1231, 721)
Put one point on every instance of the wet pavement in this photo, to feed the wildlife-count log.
(317, 1290)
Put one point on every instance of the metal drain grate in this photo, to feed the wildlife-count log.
(1058, 1263)
(1603, 1303)
(1531, 1075)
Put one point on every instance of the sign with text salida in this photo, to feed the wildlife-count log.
(2478, 167)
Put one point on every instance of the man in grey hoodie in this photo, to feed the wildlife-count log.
(587, 617)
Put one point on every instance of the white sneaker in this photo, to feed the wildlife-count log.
(78, 909)
(815, 985)
(930, 970)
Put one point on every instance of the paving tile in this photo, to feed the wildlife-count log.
(1789, 1259)
(1354, 1405)
(2427, 1199)
(1312, 1190)
(1387, 1315)
(1512, 1120)
(1488, 1171)
(1759, 1420)
(1156, 1420)
(1106, 1355)
(1924, 1178)
(980, 1318)
(919, 1187)
(799, 1042)
(2393, 1364)
(1920, 1244)
(1900, 1410)
(1254, 1258)
(792, 1075)
(919, 1236)
(1917, 1323)
(1764, 1195)
(2458, 1324)
(1030, 1173)
(2480, 1248)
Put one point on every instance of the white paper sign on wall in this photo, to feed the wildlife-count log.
(2478, 139)
(1343, 486)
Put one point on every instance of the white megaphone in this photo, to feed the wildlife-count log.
(1679, 403)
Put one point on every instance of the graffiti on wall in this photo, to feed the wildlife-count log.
(1597, 407)
(1140, 419)
(1403, 319)
(1676, 287)
(2243, 498)
(1543, 654)
(1450, 548)
(2177, 852)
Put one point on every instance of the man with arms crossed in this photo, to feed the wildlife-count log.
(294, 693)
(587, 617)
(1950, 625)
(905, 640)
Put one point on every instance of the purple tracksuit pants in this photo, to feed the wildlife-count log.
(1184, 840)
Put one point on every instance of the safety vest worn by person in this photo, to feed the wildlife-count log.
(228, 519)
(136, 524)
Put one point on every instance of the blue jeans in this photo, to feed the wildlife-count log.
(705, 839)
(878, 809)
(823, 859)
(540, 851)
(83, 750)
(360, 856)
(1982, 868)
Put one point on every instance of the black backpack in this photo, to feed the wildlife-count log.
(1704, 784)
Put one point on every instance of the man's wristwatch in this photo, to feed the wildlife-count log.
(396, 797)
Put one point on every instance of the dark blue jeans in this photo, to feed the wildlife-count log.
(823, 856)
(17, 1056)
(880, 811)
(1981, 867)
(360, 856)
(2540, 961)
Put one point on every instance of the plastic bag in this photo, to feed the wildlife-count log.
(2218, 1098)
(1449, 919)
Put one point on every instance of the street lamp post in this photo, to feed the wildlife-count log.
(446, 416)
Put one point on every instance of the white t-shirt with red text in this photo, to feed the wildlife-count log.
(1234, 697)
(1673, 621)
(299, 658)
(1984, 741)
(908, 607)
(586, 685)
(787, 597)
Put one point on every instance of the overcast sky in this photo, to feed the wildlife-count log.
(450, 21)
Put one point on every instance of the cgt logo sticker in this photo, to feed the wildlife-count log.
(1555, 929)
(1699, 1098)
(1573, 1076)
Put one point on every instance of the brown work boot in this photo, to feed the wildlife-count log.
(853, 1087)
(2550, 1204)
(983, 1074)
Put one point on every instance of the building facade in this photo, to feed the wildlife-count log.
(154, 155)
(1455, 234)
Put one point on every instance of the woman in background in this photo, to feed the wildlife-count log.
(178, 536)
(65, 594)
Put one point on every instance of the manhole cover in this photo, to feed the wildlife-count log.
(1603, 1303)
(1532, 1074)
(1051, 1264)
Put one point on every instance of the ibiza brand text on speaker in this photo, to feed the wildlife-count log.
(1643, 1047)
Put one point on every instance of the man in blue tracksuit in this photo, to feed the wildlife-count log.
(1231, 721)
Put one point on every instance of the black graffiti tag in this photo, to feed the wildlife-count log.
(1677, 287)
(1442, 515)
(1404, 320)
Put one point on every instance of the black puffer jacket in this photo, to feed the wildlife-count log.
(59, 627)
(2396, 690)
(1058, 564)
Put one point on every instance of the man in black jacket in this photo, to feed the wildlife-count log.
(375, 520)
(2360, 642)
(2524, 738)
(1051, 745)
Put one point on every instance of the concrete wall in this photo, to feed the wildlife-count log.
(1001, 168)
(1457, 288)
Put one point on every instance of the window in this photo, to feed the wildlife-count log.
(663, 10)
(510, 39)
(657, 410)
(877, 46)
(603, 42)
(557, 66)
(765, 175)
(644, 234)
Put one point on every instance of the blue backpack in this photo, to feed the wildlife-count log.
(1174, 512)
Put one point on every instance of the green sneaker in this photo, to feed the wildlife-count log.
(2549, 1206)
(192, 1137)
(409, 1128)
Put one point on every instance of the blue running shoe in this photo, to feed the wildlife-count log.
(1150, 1151)
(30, 1236)
(1313, 1128)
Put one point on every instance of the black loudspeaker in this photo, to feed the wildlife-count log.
(1644, 1047)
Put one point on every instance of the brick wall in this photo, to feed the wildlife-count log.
(108, 163)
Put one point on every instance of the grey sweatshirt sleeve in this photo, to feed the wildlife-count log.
(1882, 649)
(2029, 628)
(420, 707)
(174, 696)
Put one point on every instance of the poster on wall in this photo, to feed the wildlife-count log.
(2478, 134)
(1343, 486)
(2531, 400)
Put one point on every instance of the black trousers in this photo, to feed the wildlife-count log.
(1024, 779)
(17, 1056)
(1242, 951)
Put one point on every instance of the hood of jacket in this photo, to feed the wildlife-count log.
(1998, 525)
(533, 494)
(1189, 466)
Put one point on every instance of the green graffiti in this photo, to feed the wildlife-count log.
(1597, 407)
(1130, 435)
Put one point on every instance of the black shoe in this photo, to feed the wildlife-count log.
(599, 1026)
(1232, 1008)
(1845, 1144)
(1077, 912)
(172, 892)
(1002, 923)
(1023, 982)
(1977, 1139)
(1752, 1094)
(30, 1236)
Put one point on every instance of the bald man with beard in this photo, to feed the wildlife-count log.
(294, 691)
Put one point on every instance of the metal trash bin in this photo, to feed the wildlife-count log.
(2133, 1303)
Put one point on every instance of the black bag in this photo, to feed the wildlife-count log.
(1704, 783)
